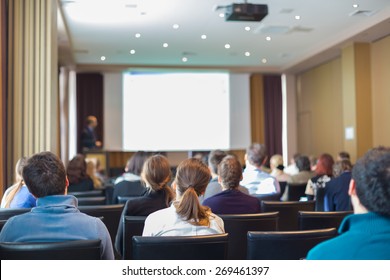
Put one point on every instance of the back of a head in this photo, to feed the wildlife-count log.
(215, 158)
(44, 174)
(256, 154)
(77, 169)
(341, 166)
(275, 161)
(192, 178)
(344, 155)
(325, 165)
(19, 168)
(372, 177)
(303, 163)
(230, 172)
(136, 162)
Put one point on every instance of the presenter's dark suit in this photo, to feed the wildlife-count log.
(88, 138)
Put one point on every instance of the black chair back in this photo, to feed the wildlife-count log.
(285, 245)
(93, 200)
(133, 225)
(111, 216)
(201, 247)
(93, 193)
(124, 199)
(127, 188)
(6, 213)
(320, 199)
(67, 250)
(288, 212)
(237, 226)
(296, 191)
(267, 197)
(318, 220)
(283, 186)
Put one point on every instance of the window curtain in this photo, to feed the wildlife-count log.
(89, 87)
(273, 113)
(3, 89)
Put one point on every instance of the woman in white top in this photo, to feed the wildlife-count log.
(186, 216)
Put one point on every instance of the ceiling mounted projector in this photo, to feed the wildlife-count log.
(246, 12)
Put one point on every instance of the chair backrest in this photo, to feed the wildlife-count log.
(111, 216)
(267, 197)
(288, 211)
(93, 193)
(201, 247)
(93, 200)
(296, 191)
(237, 226)
(124, 199)
(285, 245)
(133, 225)
(6, 213)
(283, 186)
(66, 250)
(318, 220)
(127, 188)
(320, 199)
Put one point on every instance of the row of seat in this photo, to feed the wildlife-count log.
(260, 246)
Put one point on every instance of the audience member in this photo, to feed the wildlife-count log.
(186, 216)
(56, 217)
(324, 172)
(313, 163)
(292, 168)
(214, 159)
(88, 135)
(336, 190)
(365, 235)
(133, 167)
(343, 155)
(156, 174)
(77, 175)
(231, 200)
(254, 178)
(91, 172)
(18, 195)
(277, 169)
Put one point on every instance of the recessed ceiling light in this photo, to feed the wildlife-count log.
(175, 26)
(204, 37)
(227, 46)
(264, 60)
(297, 17)
(268, 38)
(247, 53)
(165, 45)
(355, 5)
(247, 28)
(137, 35)
(184, 59)
(132, 51)
(221, 15)
(102, 58)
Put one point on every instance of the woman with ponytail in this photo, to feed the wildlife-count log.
(156, 174)
(186, 216)
(18, 195)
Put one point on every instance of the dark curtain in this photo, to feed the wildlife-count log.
(89, 87)
(273, 114)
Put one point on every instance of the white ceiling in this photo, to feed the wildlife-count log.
(97, 28)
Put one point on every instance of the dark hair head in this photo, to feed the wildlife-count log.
(372, 177)
(256, 154)
(325, 165)
(44, 174)
(192, 178)
(156, 173)
(77, 169)
(136, 162)
(230, 172)
(215, 158)
(341, 166)
(344, 155)
(303, 163)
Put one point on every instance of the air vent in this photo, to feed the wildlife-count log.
(366, 13)
(286, 11)
(272, 29)
(301, 29)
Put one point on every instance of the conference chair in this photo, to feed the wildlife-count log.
(110, 214)
(66, 250)
(267, 197)
(296, 191)
(285, 245)
(238, 225)
(92, 193)
(319, 220)
(6, 213)
(201, 247)
(127, 188)
(124, 199)
(133, 226)
(288, 212)
(94, 200)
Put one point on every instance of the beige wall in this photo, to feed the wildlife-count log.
(380, 78)
(319, 106)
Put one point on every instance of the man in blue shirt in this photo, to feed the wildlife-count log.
(365, 235)
(56, 217)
